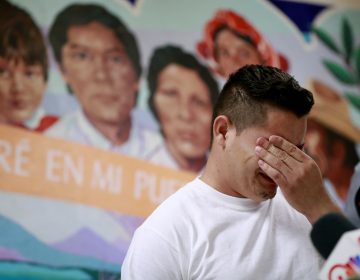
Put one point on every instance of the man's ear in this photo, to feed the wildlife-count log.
(221, 129)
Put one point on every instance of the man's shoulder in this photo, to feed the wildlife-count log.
(287, 213)
(175, 210)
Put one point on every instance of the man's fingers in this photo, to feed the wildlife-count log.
(294, 151)
(278, 153)
(273, 173)
(273, 161)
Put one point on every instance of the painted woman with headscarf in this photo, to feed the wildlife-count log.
(230, 42)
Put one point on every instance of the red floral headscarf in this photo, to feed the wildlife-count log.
(238, 24)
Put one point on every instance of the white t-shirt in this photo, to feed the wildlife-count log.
(200, 233)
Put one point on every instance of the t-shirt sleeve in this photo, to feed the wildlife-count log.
(151, 257)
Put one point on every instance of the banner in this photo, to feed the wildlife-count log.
(51, 168)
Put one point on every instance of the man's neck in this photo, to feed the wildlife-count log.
(211, 173)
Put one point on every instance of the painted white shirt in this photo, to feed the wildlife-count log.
(332, 193)
(350, 205)
(160, 155)
(76, 127)
(35, 119)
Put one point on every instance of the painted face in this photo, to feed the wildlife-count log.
(232, 52)
(182, 101)
(316, 144)
(243, 176)
(21, 90)
(100, 73)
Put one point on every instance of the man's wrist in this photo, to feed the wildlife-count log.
(321, 210)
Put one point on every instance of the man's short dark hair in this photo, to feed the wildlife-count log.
(82, 14)
(169, 54)
(254, 89)
(21, 38)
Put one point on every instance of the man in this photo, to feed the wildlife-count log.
(100, 62)
(23, 70)
(231, 223)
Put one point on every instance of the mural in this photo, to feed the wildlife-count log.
(106, 107)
